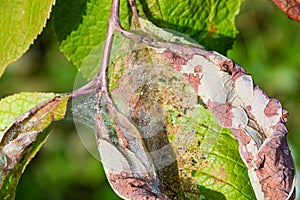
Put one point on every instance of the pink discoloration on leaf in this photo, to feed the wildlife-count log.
(222, 112)
(275, 165)
(198, 69)
(272, 108)
(193, 79)
(133, 188)
(244, 139)
(249, 107)
(175, 59)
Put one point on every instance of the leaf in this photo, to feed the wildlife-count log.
(128, 167)
(231, 96)
(211, 23)
(21, 22)
(256, 119)
(25, 136)
(291, 8)
(14, 106)
(83, 46)
(193, 155)
(67, 15)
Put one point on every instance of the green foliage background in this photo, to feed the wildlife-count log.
(268, 46)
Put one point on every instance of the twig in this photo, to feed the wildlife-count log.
(100, 82)
(88, 88)
(133, 8)
(113, 20)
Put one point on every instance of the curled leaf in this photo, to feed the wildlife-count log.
(128, 167)
(15, 105)
(23, 138)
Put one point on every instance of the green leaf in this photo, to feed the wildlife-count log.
(217, 166)
(20, 23)
(83, 46)
(25, 136)
(211, 23)
(67, 15)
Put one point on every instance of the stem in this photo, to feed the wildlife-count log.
(101, 80)
(133, 8)
(114, 16)
(195, 49)
(88, 88)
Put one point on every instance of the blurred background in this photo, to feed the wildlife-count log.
(267, 46)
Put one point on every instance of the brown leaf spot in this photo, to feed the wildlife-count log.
(272, 107)
(121, 135)
(284, 115)
(212, 29)
(233, 69)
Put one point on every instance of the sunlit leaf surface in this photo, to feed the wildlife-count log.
(83, 45)
(20, 24)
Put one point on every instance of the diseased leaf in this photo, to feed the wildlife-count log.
(194, 157)
(146, 93)
(20, 24)
(128, 167)
(14, 106)
(211, 23)
(24, 137)
(256, 120)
